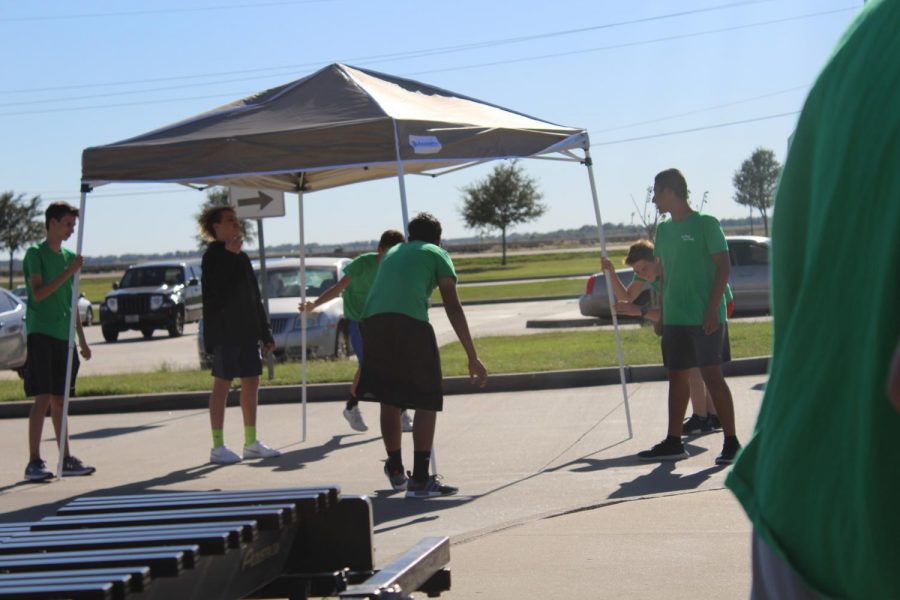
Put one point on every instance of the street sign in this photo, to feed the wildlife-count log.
(254, 203)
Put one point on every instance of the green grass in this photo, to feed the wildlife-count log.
(96, 288)
(502, 354)
(473, 269)
(513, 291)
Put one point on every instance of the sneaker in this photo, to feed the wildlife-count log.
(355, 418)
(73, 466)
(223, 455)
(714, 422)
(406, 422)
(696, 424)
(729, 451)
(37, 471)
(665, 450)
(259, 450)
(397, 478)
(430, 488)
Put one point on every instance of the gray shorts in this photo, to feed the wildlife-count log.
(230, 361)
(687, 346)
(773, 578)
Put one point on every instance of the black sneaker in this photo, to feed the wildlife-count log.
(729, 451)
(665, 450)
(73, 466)
(696, 424)
(397, 478)
(37, 471)
(715, 423)
(430, 488)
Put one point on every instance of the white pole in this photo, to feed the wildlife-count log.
(405, 213)
(63, 430)
(270, 357)
(609, 290)
(303, 320)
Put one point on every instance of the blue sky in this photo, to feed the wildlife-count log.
(703, 82)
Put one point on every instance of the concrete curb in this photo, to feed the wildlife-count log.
(325, 392)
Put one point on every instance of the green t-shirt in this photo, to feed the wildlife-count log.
(361, 271)
(820, 479)
(684, 248)
(51, 315)
(408, 274)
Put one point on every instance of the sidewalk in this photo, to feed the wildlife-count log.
(552, 498)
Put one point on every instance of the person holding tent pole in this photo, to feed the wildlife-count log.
(694, 267)
(49, 270)
(354, 288)
(646, 270)
(401, 365)
(234, 326)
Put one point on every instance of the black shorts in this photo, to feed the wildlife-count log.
(230, 361)
(45, 366)
(686, 347)
(401, 365)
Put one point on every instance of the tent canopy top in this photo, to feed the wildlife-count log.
(337, 126)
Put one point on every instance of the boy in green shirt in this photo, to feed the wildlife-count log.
(694, 268)
(354, 288)
(48, 270)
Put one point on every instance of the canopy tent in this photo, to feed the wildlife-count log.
(338, 126)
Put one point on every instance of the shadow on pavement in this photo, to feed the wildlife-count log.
(108, 432)
(298, 459)
(663, 479)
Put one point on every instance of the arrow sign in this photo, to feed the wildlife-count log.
(254, 203)
(262, 200)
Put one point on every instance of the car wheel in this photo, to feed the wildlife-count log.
(89, 317)
(110, 334)
(176, 327)
(342, 342)
(147, 332)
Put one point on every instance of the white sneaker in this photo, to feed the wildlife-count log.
(406, 422)
(223, 455)
(355, 418)
(259, 450)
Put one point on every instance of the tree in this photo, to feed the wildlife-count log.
(218, 196)
(20, 224)
(755, 181)
(649, 216)
(505, 198)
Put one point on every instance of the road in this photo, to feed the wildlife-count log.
(132, 353)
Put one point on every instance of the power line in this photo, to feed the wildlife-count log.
(479, 65)
(694, 129)
(409, 53)
(157, 11)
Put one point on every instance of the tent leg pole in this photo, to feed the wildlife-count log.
(405, 214)
(64, 426)
(609, 291)
(303, 320)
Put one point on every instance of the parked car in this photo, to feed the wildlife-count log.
(326, 331)
(749, 280)
(13, 349)
(153, 295)
(85, 310)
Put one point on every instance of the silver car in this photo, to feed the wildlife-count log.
(327, 335)
(13, 349)
(85, 310)
(749, 280)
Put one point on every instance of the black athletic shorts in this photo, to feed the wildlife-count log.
(45, 366)
(687, 346)
(231, 361)
(401, 365)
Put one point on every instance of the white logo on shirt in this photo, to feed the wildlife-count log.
(686, 237)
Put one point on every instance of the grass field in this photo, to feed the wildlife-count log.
(502, 354)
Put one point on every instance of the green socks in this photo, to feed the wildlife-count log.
(218, 437)
(249, 434)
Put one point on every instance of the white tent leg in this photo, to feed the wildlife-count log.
(609, 290)
(63, 430)
(405, 212)
(303, 320)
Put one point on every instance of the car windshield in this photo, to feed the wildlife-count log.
(285, 283)
(152, 277)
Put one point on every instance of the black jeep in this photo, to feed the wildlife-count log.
(153, 295)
